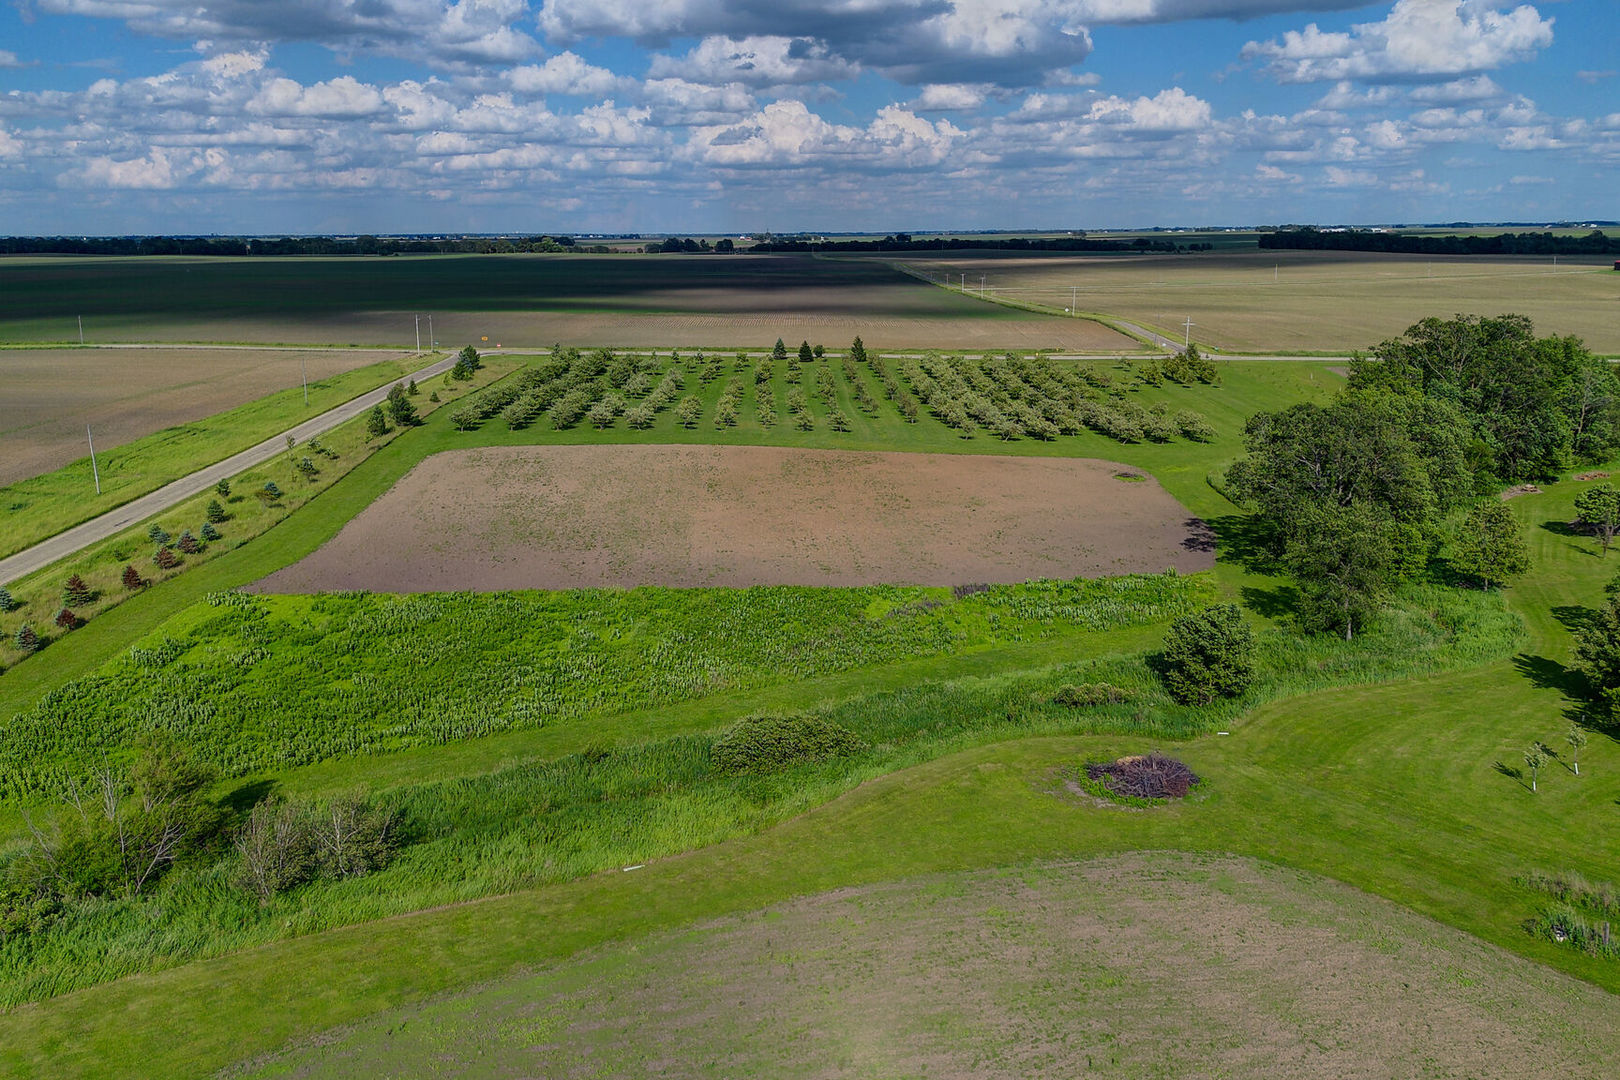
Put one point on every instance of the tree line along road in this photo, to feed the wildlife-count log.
(100, 528)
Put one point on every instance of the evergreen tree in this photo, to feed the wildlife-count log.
(376, 422)
(214, 512)
(806, 355)
(6, 602)
(1207, 655)
(857, 351)
(779, 350)
(132, 578)
(155, 533)
(223, 489)
(76, 593)
(26, 640)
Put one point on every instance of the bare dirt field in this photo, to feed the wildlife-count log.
(564, 517)
(526, 301)
(124, 394)
(1280, 301)
(1145, 965)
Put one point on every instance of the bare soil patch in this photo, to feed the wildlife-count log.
(564, 517)
(1143, 965)
(124, 394)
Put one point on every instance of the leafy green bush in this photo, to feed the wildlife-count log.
(764, 743)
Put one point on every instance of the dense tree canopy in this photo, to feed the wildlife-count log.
(1536, 405)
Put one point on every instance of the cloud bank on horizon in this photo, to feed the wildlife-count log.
(730, 115)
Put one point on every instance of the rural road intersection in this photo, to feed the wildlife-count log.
(113, 521)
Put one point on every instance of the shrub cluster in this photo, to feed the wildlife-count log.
(766, 743)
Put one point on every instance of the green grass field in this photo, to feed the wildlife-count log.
(1390, 785)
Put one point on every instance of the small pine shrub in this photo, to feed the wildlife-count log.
(209, 533)
(165, 558)
(1207, 655)
(434, 397)
(214, 512)
(188, 543)
(766, 743)
(223, 489)
(26, 640)
(155, 533)
(76, 593)
(133, 579)
(6, 602)
(66, 620)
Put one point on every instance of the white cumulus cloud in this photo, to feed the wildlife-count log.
(1419, 39)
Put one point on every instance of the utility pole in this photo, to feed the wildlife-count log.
(94, 469)
(981, 284)
(1187, 344)
(304, 375)
(81, 330)
(433, 342)
(964, 282)
(1074, 298)
(1274, 273)
(419, 335)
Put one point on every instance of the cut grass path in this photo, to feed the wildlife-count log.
(82, 535)
(1391, 788)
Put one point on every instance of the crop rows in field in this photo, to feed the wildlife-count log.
(1015, 398)
(265, 683)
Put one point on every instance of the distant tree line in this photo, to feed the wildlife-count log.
(287, 245)
(905, 242)
(1524, 243)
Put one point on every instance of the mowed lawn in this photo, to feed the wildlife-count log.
(1302, 301)
(1392, 788)
(529, 301)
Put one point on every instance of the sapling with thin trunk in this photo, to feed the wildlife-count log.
(1535, 758)
(1576, 739)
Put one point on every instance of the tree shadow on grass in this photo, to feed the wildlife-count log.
(240, 800)
(1278, 602)
(1243, 539)
(1573, 617)
(1513, 773)
(1549, 674)
(1564, 528)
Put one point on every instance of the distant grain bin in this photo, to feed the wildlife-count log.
(1617, 264)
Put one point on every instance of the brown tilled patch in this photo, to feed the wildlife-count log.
(564, 517)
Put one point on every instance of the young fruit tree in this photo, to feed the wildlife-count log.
(1598, 508)
(689, 412)
(1534, 759)
(1576, 738)
(1207, 655)
(1489, 545)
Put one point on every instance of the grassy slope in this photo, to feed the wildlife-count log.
(1348, 783)
(43, 506)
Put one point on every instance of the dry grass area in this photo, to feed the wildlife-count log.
(1138, 966)
(124, 394)
(563, 517)
(736, 321)
(1281, 301)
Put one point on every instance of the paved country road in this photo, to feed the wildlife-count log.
(113, 521)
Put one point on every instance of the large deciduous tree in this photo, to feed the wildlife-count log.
(1489, 545)
(1536, 404)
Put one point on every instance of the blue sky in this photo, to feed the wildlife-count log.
(138, 116)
